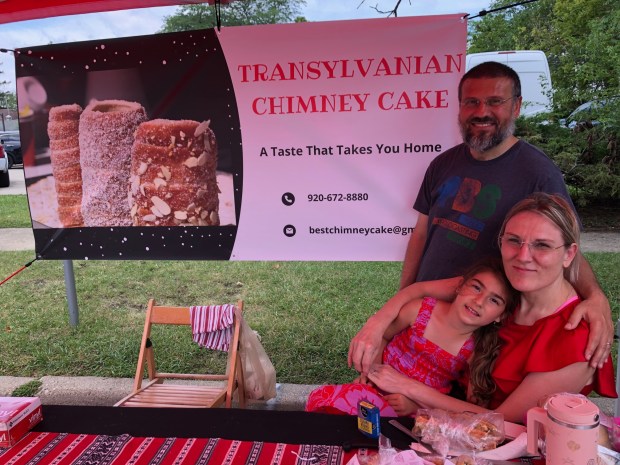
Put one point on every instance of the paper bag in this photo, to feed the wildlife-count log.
(259, 375)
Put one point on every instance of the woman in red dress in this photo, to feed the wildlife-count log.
(538, 242)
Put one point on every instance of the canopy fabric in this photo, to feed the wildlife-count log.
(22, 10)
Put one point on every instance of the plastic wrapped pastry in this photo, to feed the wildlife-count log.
(455, 432)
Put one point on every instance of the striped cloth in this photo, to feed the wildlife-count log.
(86, 449)
(212, 325)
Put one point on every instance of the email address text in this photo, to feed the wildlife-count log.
(364, 231)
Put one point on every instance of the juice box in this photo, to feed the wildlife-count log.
(368, 419)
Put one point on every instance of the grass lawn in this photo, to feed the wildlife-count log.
(306, 312)
(14, 212)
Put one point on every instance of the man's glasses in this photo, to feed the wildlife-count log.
(514, 244)
(492, 102)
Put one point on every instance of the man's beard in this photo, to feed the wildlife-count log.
(486, 141)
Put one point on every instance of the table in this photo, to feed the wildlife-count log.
(295, 427)
(234, 436)
(122, 435)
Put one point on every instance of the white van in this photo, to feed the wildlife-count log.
(533, 71)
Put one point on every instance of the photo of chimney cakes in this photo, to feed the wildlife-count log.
(112, 166)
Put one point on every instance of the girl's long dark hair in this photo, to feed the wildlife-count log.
(487, 343)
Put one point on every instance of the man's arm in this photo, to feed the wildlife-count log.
(366, 344)
(596, 311)
(413, 255)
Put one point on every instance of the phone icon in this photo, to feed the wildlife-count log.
(288, 199)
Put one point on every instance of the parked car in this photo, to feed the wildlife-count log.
(4, 169)
(587, 115)
(12, 146)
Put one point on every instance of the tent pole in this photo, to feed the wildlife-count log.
(71, 293)
(617, 402)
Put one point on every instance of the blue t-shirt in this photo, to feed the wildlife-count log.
(466, 201)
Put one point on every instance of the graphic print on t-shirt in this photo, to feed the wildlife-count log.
(470, 203)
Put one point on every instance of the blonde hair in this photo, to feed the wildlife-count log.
(557, 210)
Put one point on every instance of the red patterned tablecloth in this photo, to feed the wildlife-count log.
(40, 448)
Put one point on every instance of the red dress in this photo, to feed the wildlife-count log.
(411, 354)
(545, 346)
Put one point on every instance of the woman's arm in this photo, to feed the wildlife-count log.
(366, 344)
(534, 387)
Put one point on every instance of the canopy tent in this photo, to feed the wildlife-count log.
(22, 10)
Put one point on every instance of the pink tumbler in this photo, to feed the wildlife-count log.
(571, 430)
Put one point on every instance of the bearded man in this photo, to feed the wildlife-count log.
(468, 189)
(465, 195)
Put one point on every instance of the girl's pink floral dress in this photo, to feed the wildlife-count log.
(409, 353)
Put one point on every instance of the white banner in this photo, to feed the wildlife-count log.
(302, 141)
(344, 118)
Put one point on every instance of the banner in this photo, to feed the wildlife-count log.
(302, 141)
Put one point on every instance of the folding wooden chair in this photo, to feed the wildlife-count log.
(154, 393)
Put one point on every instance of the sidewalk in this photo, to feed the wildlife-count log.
(13, 239)
(91, 390)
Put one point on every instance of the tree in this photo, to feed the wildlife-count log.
(8, 100)
(580, 39)
(509, 29)
(238, 13)
(578, 36)
(2, 81)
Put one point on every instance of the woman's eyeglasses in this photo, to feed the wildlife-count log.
(515, 243)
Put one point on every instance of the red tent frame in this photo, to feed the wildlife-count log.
(22, 10)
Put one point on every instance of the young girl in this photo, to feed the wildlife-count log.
(436, 342)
